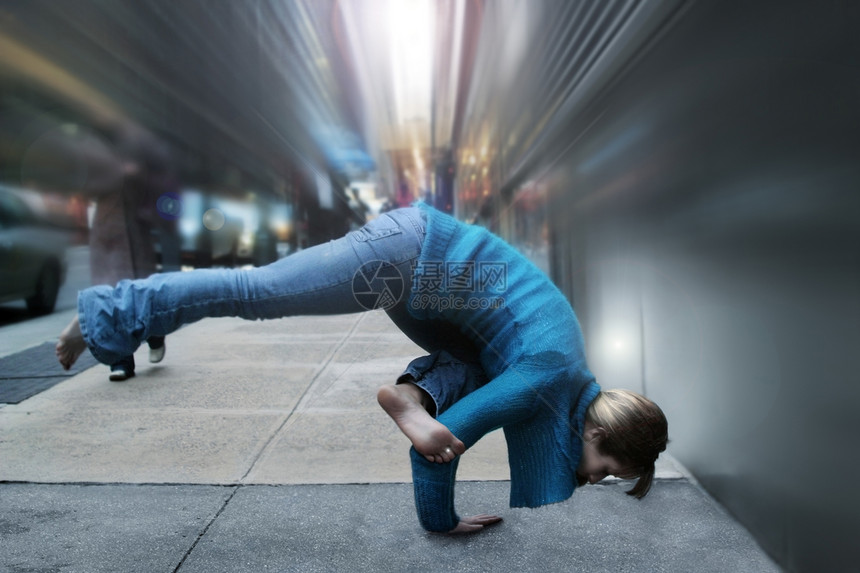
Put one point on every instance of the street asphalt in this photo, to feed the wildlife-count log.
(259, 446)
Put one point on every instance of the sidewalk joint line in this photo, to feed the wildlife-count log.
(206, 529)
(289, 415)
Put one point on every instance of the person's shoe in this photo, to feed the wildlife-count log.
(120, 373)
(156, 354)
(156, 349)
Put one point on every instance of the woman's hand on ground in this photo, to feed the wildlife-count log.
(475, 523)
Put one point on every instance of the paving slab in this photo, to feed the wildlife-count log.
(92, 529)
(374, 528)
(203, 386)
(339, 434)
(154, 528)
(203, 416)
(132, 446)
(368, 449)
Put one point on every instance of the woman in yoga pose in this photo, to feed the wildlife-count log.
(505, 348)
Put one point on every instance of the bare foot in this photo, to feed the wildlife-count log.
(431, 438)
(71, 344)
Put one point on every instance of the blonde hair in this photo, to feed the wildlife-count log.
(636, 432)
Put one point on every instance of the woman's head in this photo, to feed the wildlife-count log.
(624, 434)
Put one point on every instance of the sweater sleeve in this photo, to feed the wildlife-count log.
(507, 399)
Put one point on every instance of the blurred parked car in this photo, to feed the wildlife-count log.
(32, 253)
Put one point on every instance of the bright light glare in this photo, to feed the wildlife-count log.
(411, 29)
(214, 219)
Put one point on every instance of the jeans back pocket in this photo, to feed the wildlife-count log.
(371, 232)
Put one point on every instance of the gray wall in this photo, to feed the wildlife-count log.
(707, 228)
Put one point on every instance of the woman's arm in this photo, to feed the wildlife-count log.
(507, 399)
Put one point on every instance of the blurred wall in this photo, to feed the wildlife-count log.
(706, 226)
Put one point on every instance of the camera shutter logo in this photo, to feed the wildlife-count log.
(377, 285)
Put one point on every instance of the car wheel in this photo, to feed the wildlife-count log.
(46, 290)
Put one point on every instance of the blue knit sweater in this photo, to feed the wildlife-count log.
(531, 348)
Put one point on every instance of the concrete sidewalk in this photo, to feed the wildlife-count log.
(259, 446)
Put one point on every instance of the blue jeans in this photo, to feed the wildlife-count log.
(367, 269)
(445, 378)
